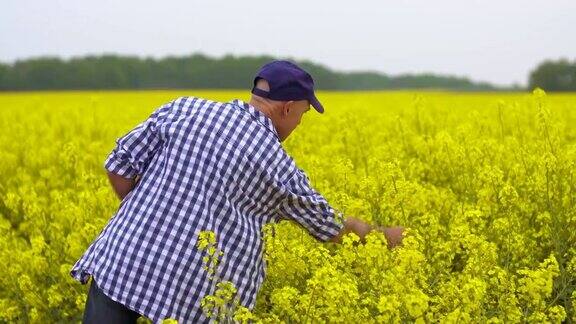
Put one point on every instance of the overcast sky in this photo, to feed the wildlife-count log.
(487, 40)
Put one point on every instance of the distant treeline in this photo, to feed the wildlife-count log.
(197, 71)
(550, 75)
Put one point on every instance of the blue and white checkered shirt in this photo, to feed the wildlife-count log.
(204, 165)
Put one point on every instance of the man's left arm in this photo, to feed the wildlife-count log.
(133, 152)
(121, 185)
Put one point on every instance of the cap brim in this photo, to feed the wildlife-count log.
(316, 104)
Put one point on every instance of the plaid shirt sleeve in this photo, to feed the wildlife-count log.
(134, 150)
(304, 205)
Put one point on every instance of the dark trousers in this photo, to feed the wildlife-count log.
(101, 309)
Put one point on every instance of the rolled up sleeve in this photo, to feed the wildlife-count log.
(304, 205)
(134, 150)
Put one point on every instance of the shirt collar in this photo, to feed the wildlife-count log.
(257, 114)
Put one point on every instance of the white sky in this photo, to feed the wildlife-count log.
(488, 40)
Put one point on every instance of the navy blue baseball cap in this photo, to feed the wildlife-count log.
(287, 81)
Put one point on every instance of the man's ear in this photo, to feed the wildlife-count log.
(288, 105)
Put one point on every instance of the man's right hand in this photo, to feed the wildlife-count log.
(393, 235)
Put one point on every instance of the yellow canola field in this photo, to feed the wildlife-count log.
(485, 183)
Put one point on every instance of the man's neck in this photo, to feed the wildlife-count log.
(266, 109)
(262, 107)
